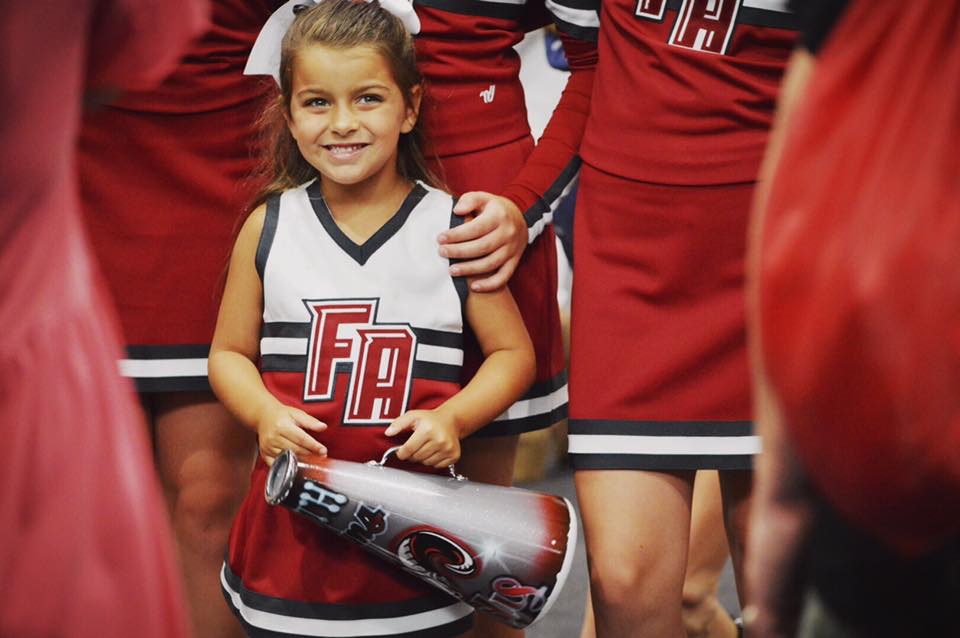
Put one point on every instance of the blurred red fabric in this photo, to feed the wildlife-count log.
(860, 289)
(85, 547)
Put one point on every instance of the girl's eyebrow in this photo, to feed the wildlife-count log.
(371, 85)
(309, 90)
(360, 89)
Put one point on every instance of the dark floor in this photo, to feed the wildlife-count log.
(565, 617)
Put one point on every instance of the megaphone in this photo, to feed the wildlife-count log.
(506, 551)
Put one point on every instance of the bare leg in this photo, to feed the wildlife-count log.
(703, 615)
(204, 459)
(636, 525)
(489, 460)
(735, 486)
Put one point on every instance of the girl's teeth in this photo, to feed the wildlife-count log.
(338, 150)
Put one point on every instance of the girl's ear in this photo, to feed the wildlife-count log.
(413, 110)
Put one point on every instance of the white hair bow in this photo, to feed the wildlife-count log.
(265, 55)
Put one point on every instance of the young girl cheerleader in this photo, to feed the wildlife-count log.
(356, 323)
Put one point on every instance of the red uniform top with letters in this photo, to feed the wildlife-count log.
(686, 89)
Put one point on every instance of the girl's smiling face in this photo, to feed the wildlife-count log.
(347, 113)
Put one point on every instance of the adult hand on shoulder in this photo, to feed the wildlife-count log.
(285, 428)
(434, 441)
(490, 244)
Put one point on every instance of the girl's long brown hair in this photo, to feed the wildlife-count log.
(340, 24)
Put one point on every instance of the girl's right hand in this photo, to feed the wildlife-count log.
(284, 428)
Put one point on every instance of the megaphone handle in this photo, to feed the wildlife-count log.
(393, 450)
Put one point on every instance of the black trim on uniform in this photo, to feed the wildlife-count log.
(524, 424)
(476, 8)
(285, 329)
(589, 34)
(430, 337)
(323, 611)
(450, 630)
(288, 363)
(267, 234)
(327, 611)
(534, 421)
(147, 385)
(547, 386)
(460, 283)
(362, 252)
(661, 461)
(172, 383)
(551, 197)
(180, 351)
(661, 428)
(581, 5)
(298, 330)
(766, 18)
(436, 371)
(298, 363)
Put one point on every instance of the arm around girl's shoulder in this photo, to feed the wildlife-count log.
(493, 241)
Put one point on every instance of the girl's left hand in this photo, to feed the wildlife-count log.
(434, 442)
